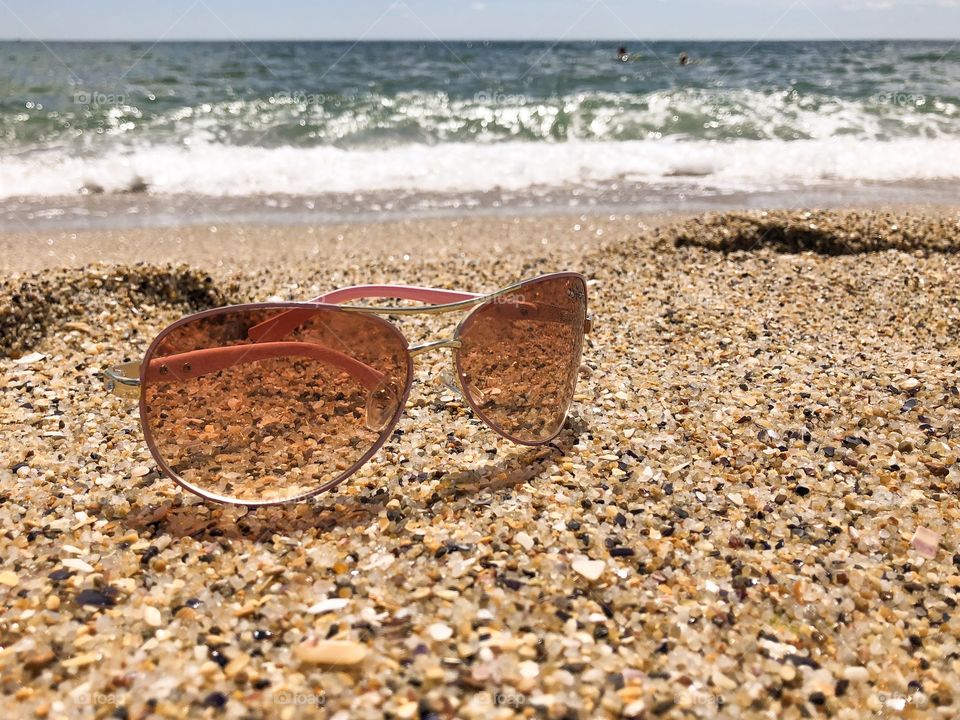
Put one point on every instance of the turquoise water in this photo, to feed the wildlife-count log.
(234, 119)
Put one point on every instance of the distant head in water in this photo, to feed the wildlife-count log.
(684, 59)
(622, 54)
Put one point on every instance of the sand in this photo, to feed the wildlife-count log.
(752, 511)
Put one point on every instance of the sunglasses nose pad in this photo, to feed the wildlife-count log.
(453, 385)
(382, 404)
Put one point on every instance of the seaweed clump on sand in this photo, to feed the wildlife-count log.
(31, 306)
(826, 232)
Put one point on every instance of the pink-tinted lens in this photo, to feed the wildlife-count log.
(277, 419)
(520, 355)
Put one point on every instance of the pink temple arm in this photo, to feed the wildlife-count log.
(285, 323)
(182, 366)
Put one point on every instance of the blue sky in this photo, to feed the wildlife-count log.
(479, 19)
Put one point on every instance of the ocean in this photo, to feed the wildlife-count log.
(328, 130)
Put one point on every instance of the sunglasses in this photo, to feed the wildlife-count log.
(270, 403)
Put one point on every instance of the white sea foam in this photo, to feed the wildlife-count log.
(738, 165)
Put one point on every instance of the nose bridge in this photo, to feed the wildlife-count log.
(433, 345)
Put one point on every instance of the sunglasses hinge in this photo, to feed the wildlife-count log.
(123, 380)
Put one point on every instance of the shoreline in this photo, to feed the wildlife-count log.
(236, 246)
(226, 248)
(619, 196)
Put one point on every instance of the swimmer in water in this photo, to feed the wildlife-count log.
(684, 59)
(622, 54)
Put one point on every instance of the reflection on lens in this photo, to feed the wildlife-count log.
(273, 420)
(520, 355)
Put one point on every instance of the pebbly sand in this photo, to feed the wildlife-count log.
(752, 511)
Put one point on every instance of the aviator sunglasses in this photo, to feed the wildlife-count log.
(276, 402)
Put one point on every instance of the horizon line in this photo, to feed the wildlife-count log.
(370, 41)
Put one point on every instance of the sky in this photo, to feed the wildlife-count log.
(616, 20)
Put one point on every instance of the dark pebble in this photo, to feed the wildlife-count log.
(802, 660)
(829, 451)
(215, 700)
(841, 689)
(512, 584)
(219, 658)
(663, 706)
(818, 698)
(802, 490)
(98, 598)
(18, 466)
(622, 552)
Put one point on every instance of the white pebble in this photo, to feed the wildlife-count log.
(30, 359)
(78, 565)
(856, 673)
(151, 616)
(590, 569)
(910, 383)
(523, 540)
(440, 632)
(328, 605)
(529, 669)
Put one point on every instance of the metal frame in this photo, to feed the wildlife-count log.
(128, 380)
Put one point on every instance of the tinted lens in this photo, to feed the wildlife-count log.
(276, 419)
(520, 355)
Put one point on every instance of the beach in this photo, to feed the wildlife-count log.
(751, 511)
